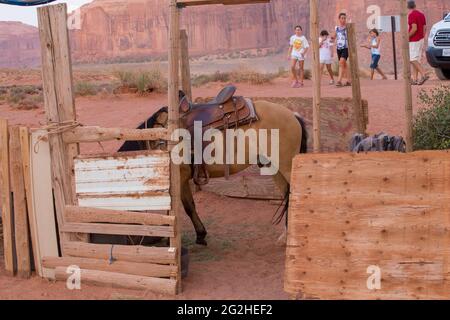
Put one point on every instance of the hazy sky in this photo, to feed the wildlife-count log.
(28, 14)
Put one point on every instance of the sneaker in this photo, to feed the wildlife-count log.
(294, 84)
(339, 84)
(300, 84)
(331, 82)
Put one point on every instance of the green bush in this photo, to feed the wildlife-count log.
(431, 127)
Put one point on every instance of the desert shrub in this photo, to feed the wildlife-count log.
(431, 126)
(251, 76)
(152, 80)
(145, 80)
(217, 76)
(83, 89)
(24, 97)
(126, 78)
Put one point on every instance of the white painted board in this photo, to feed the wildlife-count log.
(42, 197)
(124, 181)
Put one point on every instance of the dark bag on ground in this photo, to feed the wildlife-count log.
(378, 142)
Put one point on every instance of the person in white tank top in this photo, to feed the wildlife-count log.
(374, 45)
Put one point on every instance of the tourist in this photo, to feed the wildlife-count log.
(341, 36)
(374, 44)
(417, 29)
(326, 54)
(298, 47)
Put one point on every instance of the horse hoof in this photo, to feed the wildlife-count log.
(201, 242)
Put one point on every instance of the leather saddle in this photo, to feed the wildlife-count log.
(223, 112)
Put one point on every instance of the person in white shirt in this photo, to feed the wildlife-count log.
(298, 47)
(326, 54)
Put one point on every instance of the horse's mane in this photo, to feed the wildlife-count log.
(149, 123)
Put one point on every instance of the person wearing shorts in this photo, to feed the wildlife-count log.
(374, 45)
(326, 54)
(298, 47)
(341, 38)
(417, 30)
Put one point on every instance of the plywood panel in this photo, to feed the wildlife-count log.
(351, 211)
(127, 181)
(43, 214)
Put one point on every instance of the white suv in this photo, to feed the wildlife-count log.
(438, 52)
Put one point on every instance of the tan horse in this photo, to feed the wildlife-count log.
(292, 140)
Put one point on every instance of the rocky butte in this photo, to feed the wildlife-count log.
(127, 30)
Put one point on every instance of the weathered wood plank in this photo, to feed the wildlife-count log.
(7, 219)
(86, 215)
(119, 229)
(98, 134)
(120, 280)
(119, 252)
(43, 213)
(351, 211)
(134, 268)
(22, 241)
(26, 168)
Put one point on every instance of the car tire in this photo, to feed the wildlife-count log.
(443, 74)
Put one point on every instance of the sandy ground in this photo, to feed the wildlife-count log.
(242, 260)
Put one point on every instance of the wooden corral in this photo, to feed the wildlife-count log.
(351, 213)
(337, 125)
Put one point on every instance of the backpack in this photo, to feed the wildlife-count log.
(379, 142)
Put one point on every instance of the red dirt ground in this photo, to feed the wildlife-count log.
(242, 260)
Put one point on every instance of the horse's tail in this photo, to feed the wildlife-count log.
(304, 143)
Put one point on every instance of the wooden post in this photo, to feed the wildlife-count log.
(184, 64)
(314, 18)
(174, 119)
(59, 103)
(5, 188)
(26, 168)
(406, 76)
(22, 240)
(356, 83)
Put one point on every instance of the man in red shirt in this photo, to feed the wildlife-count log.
(417, 29)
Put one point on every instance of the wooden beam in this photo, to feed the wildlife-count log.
(26, 168)
(406, 76)
(22, 240)
(184, 65)
(135, 268)
(316, 72)
(119, 229)
(120, 280)
(174, 120)
(120, 252)
(59, 102)
(5, 189)
(98, 134)
(356, 83)
(92, 215)
(189, 3)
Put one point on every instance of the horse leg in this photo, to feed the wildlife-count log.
(189, 207)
